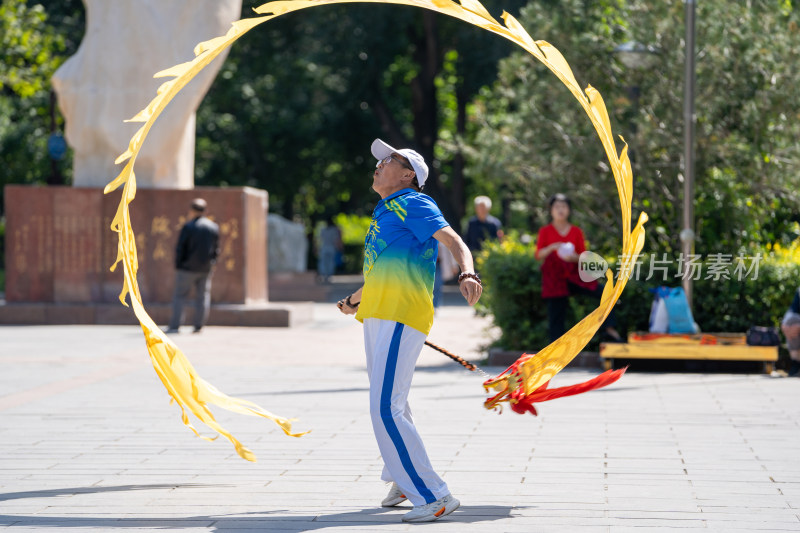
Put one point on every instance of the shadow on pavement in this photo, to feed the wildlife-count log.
(263, 520)
(51, 493)
(253, 520)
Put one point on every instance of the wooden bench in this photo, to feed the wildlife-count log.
(701, 347)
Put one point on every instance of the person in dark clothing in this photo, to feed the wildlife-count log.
(791, 328)
(195, 255)
(482, 226)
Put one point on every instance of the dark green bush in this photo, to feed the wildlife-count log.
(2, 254)
(352, 258)
(512, 295)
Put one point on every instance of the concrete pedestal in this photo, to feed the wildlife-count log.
(59, 249)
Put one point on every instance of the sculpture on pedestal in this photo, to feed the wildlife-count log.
(110, 78)
(60, 235)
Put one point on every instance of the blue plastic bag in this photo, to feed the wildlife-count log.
(679, 314)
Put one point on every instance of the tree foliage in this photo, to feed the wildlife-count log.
(29, 50)
(299, 101)
(35, 41)
(296, 104)
(532, 140)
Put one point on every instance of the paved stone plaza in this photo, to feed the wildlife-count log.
(90, 442)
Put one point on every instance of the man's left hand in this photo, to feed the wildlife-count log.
(471, 290)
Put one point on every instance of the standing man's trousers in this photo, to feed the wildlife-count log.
(392, 351)
(184, 282)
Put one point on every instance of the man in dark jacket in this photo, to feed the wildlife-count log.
(195, 254)
(483, 226)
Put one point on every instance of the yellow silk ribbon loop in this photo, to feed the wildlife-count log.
(173, 368)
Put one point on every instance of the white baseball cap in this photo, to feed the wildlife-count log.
(381, 150)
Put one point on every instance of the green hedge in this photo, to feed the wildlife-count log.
(512, 295)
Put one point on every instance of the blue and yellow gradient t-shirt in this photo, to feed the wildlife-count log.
(400, 260)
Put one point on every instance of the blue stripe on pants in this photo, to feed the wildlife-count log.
(388, 420)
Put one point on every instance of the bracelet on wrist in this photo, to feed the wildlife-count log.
(469, 275)
(351, 304)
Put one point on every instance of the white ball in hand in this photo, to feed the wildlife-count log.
(566, 250)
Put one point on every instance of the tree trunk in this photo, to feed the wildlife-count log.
(457, 188)
(424, 107)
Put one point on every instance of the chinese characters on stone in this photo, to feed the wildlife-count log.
(164, 233)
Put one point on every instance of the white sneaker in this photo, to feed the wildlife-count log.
(395, 496)
(432, 511)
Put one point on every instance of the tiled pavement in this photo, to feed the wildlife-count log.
(89, 441)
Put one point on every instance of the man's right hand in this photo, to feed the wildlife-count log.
(352, 308)
(471, 290)
(346, 309)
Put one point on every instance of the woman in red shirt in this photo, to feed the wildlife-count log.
(558, 247)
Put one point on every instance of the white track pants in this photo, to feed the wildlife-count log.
(392, 352)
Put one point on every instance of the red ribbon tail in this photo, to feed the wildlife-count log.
(523, 407)
(542, 394)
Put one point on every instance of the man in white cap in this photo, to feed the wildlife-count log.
(395, 305)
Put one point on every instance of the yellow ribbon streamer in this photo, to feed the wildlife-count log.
(173, 368)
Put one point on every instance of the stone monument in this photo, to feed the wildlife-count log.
(59, 246)
(288, 246)
(110, 79)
